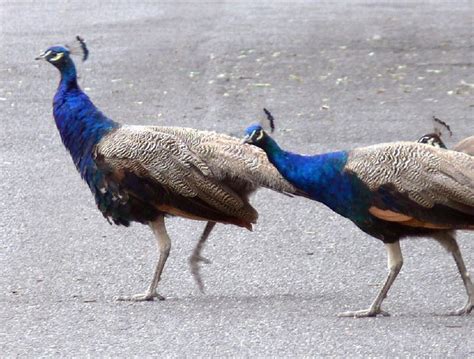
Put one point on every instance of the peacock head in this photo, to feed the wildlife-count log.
(432, 139)
(255, 135)
(59, 55)
(55, 55)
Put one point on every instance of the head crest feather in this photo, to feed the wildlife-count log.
(270, 119)
(439, 130)
(79, 47)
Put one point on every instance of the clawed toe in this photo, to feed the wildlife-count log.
(371, 312)
(196, 258)
(195, 269)
(142, 297)
(466, 310)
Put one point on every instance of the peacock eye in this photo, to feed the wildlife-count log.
(58, 56)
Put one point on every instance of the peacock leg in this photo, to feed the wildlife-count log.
(395, 262)
(448, 241)
(196, 256)
(164, 246)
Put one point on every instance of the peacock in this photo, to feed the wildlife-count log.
(390, 191)
(145, 173)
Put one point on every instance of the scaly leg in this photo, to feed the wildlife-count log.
(395, 262)
(164, 246)
(448, 241)
(196, 256)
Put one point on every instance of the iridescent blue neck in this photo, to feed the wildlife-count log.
(80, 124)
(312, 173)
(321, 176)
(68, 74)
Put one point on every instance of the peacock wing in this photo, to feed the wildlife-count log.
(466, 146)
(167, 161)
(229, 159)
(417, 185)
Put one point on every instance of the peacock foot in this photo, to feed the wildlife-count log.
(371, 312)
(142, 297)
(196, 258)
(466, 310)
(195, 269)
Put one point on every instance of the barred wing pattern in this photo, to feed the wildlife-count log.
(228, 157)
(425, 174)
(192, 163)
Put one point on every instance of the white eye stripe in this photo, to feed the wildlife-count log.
(260, 136)
(57, 57)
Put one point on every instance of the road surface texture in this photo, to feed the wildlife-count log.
(336, 75)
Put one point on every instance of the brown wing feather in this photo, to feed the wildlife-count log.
(229, 159)
(416, 185)
(466, 146)
(216, 170)
(403, 219)
(425, 174)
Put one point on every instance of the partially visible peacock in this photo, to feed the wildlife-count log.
(390, 191)
(144, 173)
(434, 138)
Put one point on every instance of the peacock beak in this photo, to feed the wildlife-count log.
(247, 139)
(43, 55)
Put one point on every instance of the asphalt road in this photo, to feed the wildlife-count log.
(335, 76)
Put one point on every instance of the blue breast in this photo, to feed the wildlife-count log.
(81, 126)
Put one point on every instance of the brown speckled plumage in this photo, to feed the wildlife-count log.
(216, 168)
(466, 146)
(428, 175)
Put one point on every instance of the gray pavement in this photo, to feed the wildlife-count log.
(335, 75)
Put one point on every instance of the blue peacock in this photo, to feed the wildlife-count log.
(390, 191)
(144, 173)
